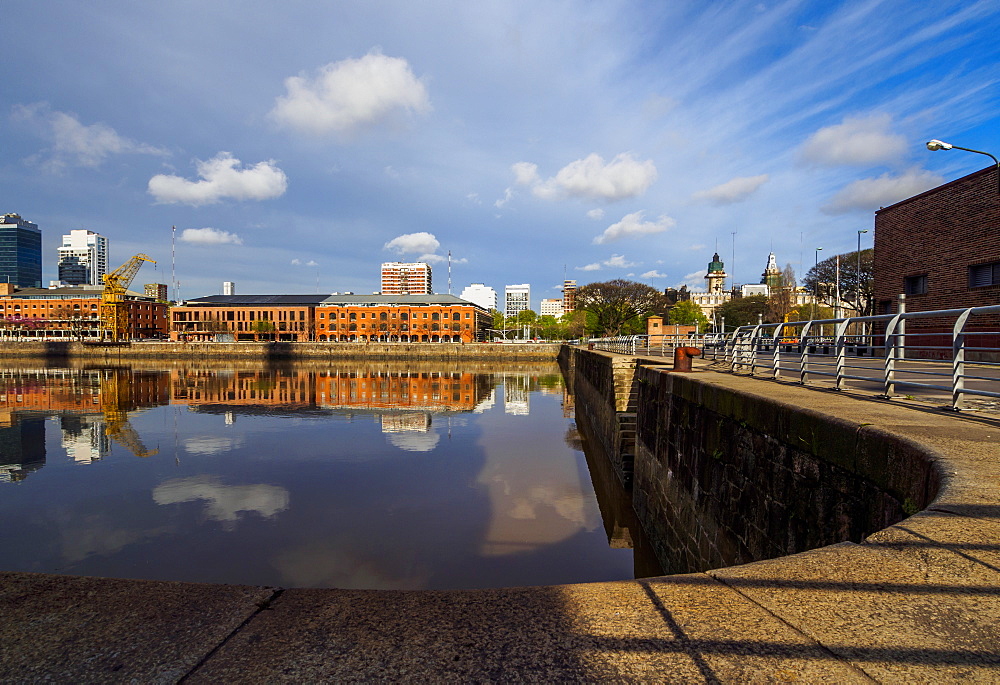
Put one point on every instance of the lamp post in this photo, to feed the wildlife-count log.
(934, 145)
(816, 289)
(857, 292)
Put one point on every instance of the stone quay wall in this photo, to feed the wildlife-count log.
(722, 477)
(267, 351)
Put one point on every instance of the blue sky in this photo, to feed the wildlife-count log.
(297, 145)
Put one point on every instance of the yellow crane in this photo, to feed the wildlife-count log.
(114, 313)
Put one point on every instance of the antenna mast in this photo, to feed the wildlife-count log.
(449, 272)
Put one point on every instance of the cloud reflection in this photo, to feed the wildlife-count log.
(225, 503)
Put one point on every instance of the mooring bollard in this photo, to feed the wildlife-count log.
(682, 357)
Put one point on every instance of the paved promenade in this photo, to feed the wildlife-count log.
(917, 602)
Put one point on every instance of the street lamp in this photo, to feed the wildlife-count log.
(857, 292)
(816, 289)
(934, 145)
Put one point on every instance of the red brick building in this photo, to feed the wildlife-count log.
(940, 248)
(334, 318)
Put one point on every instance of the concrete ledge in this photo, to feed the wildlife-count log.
(916, 602)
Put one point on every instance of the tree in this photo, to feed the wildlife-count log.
(687, 313)
(575, 323)
(781, 301)
(262, 327)
(618, 303)
(855, 287)
(742, 311)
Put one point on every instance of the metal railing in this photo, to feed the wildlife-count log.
(646, 345)
(953, 353)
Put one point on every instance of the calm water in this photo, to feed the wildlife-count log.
(300, 476)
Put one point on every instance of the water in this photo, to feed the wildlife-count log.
(409, 477)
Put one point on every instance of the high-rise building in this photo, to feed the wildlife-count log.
(157, 291)
(20, 252)
(83, 258)
(228, 287)
(517, 298)
(401, 278)
(550, 307)
(483, 295)
(569, 296)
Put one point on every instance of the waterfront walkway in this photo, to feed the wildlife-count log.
(917, 602)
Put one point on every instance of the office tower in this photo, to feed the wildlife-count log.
(483, 295)
(157, 291)
(517, 298)
(83, 258)
(400, 278)
(569, 296)
(550, 307)
(20, 252)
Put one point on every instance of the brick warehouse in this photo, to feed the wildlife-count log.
(941, 249)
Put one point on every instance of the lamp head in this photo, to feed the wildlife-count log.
(934, 145)
(864, 231)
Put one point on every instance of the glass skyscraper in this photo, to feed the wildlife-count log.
(20, 252)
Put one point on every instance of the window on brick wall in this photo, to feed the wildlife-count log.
(915, 285)
(984, 274)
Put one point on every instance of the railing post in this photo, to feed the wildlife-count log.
(839, 332)
(891, 351)
(776, 353)
(804, 353)
(958, 359)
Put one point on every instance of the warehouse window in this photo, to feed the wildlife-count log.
(984, 274)
(915, 285)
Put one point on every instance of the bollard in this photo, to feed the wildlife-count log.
(682, 357)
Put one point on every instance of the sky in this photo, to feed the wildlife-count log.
(296, 146)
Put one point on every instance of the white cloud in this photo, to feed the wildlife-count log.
(350, 95)
(299, 262)
(595, 214)
(731, 191)
(413, 243)
(618, 261)
(221, 178)
(695, 279)
(591, 178)
(652, 274)
(868, 194)
(615, 261)
(632, 225)
(209, 236)
(857, 141)
(74, 143)
(698, 247)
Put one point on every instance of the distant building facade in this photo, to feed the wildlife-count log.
(73, 313)
(517, 298)
(406, 278)
(83, 258)
(228, 288)
(334, 318)
(551, 307)
(483, 295)
(20, 252)
(569, 296)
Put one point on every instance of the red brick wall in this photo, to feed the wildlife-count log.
(940, 233)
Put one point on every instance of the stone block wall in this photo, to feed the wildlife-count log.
(724, 478)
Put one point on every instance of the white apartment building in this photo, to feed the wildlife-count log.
(517, 298)
(406, 278)
(551, 307)
(83, 258)
(483, 295)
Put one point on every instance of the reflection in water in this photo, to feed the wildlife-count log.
(302, 475)
(225, 503)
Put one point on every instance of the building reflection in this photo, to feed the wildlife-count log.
(90, 405)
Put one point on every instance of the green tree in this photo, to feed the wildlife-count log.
(262, 327)
(856, 287)
(687, 313)
(781, 301)
(742, 311)
(575, 323)
(618, 305)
